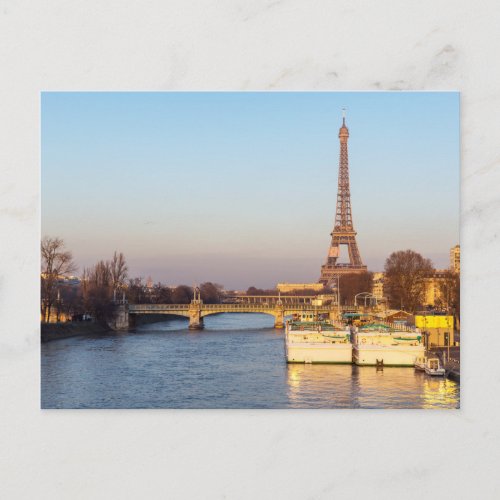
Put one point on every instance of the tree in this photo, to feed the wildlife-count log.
(101, 282)
(259, 291)
(56, 262)
(210, 293)
(449, 292)
(98, 290)
(405, 274)
(71, 303)
(119, 271)
(135, 291)
(183, 294)
(162, 294)
(353, 283)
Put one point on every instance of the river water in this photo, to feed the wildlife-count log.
(236, 362)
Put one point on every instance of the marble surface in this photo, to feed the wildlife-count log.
(240, 45)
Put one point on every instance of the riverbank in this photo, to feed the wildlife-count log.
(55, 331)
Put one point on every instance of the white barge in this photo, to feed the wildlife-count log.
(389, 345)
(317, 342)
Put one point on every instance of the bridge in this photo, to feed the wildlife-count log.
(277, 306)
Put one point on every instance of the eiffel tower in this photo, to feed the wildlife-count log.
(343, 232)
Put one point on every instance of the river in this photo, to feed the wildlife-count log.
(237, 361)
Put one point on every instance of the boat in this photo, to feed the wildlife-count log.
(386, 344)
(420, 363)
(433, 367)
(317, 341)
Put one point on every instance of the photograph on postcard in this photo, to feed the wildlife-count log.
(250, 250)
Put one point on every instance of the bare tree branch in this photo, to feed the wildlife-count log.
(56, 262)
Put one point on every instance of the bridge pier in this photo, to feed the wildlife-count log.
(195, 319)
(279, 317)
(196, 324)
(121, 317)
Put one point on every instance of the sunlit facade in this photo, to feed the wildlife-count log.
(378, 285)
(55, 317)
(439, 329)
(455, 259)
(433, 285)
(297, 287)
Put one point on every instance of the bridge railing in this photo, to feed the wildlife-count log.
(236, 305)
(263, 306)
(239, 304)
(156, 307)
(245, 299)
(397, 326)
(138, 308)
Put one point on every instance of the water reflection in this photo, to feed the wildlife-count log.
(440, 393)
(341, 386)
(319, 386)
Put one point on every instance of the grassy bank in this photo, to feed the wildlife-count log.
(54, 331)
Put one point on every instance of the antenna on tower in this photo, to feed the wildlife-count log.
(343, 116)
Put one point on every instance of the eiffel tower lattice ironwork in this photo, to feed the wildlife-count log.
(343, 232)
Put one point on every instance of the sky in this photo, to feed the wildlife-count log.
(239, 188)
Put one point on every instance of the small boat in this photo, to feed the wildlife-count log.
(420, 363)
(433, 367)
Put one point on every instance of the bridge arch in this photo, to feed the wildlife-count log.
(204, 314)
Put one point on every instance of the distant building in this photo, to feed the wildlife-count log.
(433, 286)
(55, 316)
(294, 287)
(455, 259)
(63, 280)
(438, 329)
(149, 282)
(70, 280)
(378, 285)
(398, 317)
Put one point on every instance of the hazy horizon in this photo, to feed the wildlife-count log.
(240, 188)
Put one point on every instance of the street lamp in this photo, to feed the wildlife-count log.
(366, 295)
(338, 295)
(337, 277)
(338, 292)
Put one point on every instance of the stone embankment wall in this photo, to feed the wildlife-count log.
(54, 331)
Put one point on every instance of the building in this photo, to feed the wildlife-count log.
(378, 285)
(455, 259)
(398, 317)
(61, 279)
(56, 316)
(299, 287)
(438, 329)
(435, 286)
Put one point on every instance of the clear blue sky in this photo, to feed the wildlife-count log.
(240, 188)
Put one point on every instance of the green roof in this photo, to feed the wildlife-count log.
(375, 325)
